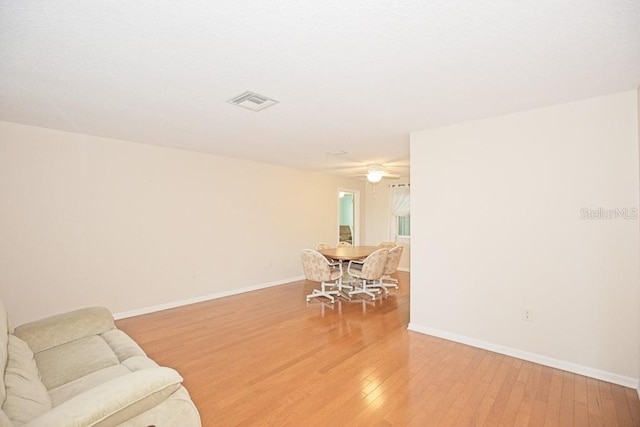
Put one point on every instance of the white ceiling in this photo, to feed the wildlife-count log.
(352, 75)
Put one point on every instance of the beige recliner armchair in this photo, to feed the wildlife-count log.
(78, 369)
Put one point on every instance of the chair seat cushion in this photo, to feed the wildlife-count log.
(65, 363)
(69, 390)
(27, 397)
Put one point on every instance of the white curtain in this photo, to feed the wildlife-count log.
(399, 205)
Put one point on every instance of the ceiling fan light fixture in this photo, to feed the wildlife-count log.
(374, 173)
(374, 176)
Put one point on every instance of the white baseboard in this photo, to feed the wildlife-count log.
(174, 304)
(406, 270)
(531, 357)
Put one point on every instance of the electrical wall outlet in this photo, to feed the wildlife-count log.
(527, 314)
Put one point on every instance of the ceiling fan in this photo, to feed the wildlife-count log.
(374, 170)
(375, 173)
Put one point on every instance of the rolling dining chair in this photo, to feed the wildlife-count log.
(343, 244)
(387, 245)
(319, 269)
(369, 273)
(391, 267)
(321, 246)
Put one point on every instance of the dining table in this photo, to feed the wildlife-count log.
(349, 253)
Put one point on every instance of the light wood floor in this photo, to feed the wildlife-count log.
(268, 358)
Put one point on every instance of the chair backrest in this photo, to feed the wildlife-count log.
(387, 245)
(321, 246)
(393, 260)
(374, 264)
(315, 265)
(343, 244)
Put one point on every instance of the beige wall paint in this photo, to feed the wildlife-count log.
(497, 228)
(95, 221)
(377, 218)
(638, 122)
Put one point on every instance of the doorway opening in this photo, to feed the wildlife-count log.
(348, 216)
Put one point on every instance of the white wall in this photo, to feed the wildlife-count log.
(638, 119)
(497, 228)
(377, 217)
(94, 221)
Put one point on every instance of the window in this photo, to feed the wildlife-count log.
(404, 226)
(399, 211)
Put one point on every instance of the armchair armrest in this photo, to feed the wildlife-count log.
(66, 327)
(336, 265)
(115, 401)
(358, 264)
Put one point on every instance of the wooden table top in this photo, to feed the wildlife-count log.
(348, 253)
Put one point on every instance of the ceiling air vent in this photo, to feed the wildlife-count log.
(252, 101)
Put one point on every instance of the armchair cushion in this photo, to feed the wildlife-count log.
(4, 351)
(67, 391)
(122, 344)
(78, 369)
(62, 364)
(66, 327)
(115, 401)
(26, 397)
